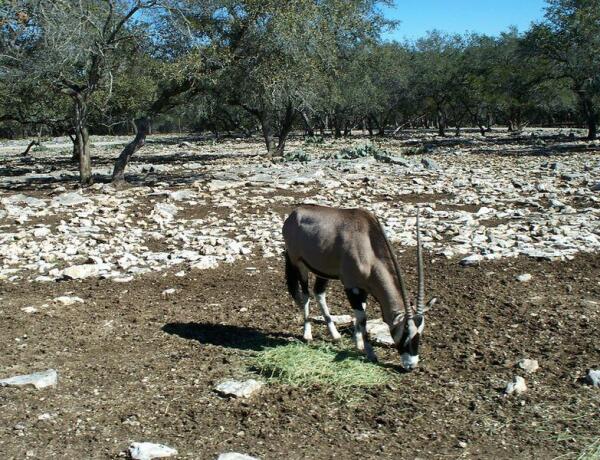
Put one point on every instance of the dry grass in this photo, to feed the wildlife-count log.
(325, 366)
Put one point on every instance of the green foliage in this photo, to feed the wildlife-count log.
(314, 140)
(360, 151)
(330, 368)
(297, 155)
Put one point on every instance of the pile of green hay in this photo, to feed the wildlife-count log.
(324, 366)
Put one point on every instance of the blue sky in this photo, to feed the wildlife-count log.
(457, 16)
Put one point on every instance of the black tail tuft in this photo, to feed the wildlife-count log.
(292, 276)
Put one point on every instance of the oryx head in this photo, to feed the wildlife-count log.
(408, 327)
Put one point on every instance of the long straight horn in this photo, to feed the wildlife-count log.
(421, 291)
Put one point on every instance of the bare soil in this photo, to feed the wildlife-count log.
(134, 365)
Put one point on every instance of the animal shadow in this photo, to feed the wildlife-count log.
(241, 338)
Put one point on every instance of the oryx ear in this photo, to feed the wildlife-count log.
(430, 304)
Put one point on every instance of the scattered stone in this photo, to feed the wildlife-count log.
(462, 444)
(67, 300)
(235, 456)
(430, 164)
(148, 451)
(337, 319)
(39, 380)
(524, 278)
(29, 309)
(379, 332)
(529, 365)
(239, 389)
(78, 272)
(70, 199)
(168, 292)
(205, 263)
(571, 176)
(183, 195)
(593, 378)
(517, 386)
(474, 259)
(595, 187)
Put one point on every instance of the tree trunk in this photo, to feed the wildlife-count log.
(441, 124)
(82, 140)
(31, 144)
(310, 131)
(267, 130)
(284, 131)
(142, 129)
(591, 117)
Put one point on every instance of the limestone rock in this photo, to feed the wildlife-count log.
(379, 332)
(39, 380)
(529, 365)
(77, 272)
(524, 278)
(239, 389)
(474, 259)
(148, 451)
(516, 386)
(235, 456)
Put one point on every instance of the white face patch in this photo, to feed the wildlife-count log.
(421, 326)
(409, 361)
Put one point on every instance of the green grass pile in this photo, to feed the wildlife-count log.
(323, 366)
(592, 452)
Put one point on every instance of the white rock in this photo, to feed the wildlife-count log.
(29, 309)
(235, 456)
(77, 272)
(337, 319)
(39, 380)
(41, 232)
(69, 199)
(67, 300)
(168, 292)
(205, 263)
(529, 365)
(471, 260)
(183, 195)
(148, 451)
(379, 332)
(239, 389)
(524, 278)
(593, 378)
(517, 386)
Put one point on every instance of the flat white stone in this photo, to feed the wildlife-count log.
(379, 332)
(471, 260)
(529, 365)
(517, 386)
(69, 199)
(148, 451)
(337, 319)
(524, 278)
(235, 456)
(68, 300)
(39, 380)
(205, 263)
(239, 389)
(77, 272)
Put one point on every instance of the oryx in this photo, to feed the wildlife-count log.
(350, 245)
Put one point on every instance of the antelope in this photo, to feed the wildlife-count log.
(350, 245)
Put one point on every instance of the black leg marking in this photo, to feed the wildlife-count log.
(321, 285)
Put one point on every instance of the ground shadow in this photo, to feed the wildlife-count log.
(241, 338)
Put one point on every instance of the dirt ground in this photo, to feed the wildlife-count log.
(136, 365)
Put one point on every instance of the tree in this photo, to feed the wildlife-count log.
(69, 47)
(569, 38)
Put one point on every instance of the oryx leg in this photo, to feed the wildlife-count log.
(303, 301)
(358, 300)
(320, 288)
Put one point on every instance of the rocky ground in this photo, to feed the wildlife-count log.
(143, 298)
